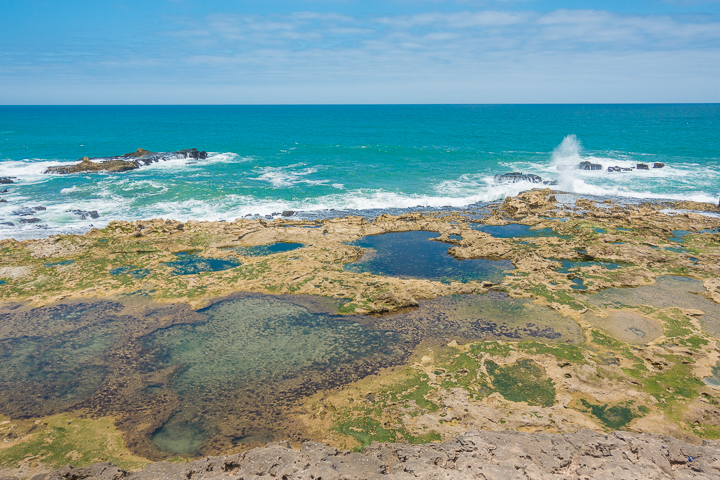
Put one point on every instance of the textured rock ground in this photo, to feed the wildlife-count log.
(474, 455)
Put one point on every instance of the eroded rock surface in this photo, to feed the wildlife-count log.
(474, 455)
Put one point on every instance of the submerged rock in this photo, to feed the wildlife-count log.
(84, 215)
(6, 180)
(129, 161)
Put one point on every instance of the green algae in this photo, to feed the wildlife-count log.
(61, 439)
(570, 353)
(367, 430)
(523, 381)
(674, 383)
(614, 417)
(491, 348)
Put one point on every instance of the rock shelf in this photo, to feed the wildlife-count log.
(473, 455)
(631, 350)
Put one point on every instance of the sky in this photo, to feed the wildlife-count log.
(369, 51)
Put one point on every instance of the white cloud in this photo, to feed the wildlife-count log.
(472, 56)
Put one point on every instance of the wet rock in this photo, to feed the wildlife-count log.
(129, 161)
(477, 454)
(589, 166)
(658, 165)
(9, 224)
(288, 213)
(6, 180)
(85, 214)
(2, 200)
(642, 166)
(30, 220)
(526, 203)
(87, 165)
(25, 211)
(698, 206)
(515, 177)
(4, 190)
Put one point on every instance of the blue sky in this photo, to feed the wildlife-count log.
(347, 51)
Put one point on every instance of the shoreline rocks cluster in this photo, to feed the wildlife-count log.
(473, 455)
(124, 163)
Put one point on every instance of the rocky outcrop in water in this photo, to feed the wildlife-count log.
(474, 455)
(515, 177)
(129, 161)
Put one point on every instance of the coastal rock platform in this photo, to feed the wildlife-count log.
(473, 455)
(178, 340)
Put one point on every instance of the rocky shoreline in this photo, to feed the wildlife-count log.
(473, 455)
(617, 305)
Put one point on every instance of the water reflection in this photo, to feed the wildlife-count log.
(413, 255)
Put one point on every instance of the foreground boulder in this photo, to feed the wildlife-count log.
(129, 161)
(478, 454)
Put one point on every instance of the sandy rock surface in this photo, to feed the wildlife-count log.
(474, 455)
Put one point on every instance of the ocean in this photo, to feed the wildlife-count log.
(338, 160)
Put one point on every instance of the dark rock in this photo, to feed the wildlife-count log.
(589, 166)
(2, 200)
(288, 213)
(642, 166)
(129, 161)
(479, 454)
(6, 180)
(516, 177)
(619, 169)
(30, 220)
(658, 165)
(24, 211)
(39, 209)
(4, 190)
(83, 214)
(9, 224)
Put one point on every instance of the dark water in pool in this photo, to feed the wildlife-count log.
(51, 357)
(247, 351)
(204, 382)
(516, 230)
(263, 250)
(413, 255)
(130, 270)
(191, 264)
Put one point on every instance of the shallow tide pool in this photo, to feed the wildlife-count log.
(414, 255)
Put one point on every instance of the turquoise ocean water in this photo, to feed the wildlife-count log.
(266, 159)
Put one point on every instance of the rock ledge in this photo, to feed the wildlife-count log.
(473, 455)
